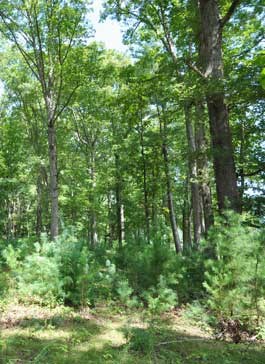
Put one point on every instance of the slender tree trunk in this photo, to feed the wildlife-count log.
(120, 218)
(202, 167)
(146, 207)
(195, 190)
(153, 194)
(111, 228)
(93, 230)
(212, 64)
(186, 219)
(93, 218)
(53, 181)
(170, 202)
(242, 160)
(39, 205)
(119, 206)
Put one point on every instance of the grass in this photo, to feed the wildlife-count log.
(35, 335)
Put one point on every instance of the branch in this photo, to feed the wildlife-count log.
(28, 59)
(67, 102)
(166, 40)
(196, 69)
(258, 171)
(230, 12)
(69, 45)
(255, 43)
(40, 49)
(83, 143)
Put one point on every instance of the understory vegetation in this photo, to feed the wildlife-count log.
(222, 286)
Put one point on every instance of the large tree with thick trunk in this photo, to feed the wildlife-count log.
(211, 63)
(165, 20)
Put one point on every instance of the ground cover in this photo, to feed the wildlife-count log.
(37, 335)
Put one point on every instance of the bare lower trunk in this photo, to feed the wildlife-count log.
(242, 160)
(186, 219)
(224, 167)
(146, 207)
(119, 206)
(170, 202)
(53, 181)
(120, 218)
(203, 167)
(93, 230)
(39, 206)
(122, 231)
(173, 223)
(195, 190)
(212, 64)
(93, 216)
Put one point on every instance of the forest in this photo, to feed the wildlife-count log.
(132, 220)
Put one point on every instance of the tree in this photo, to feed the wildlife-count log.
(211, 62)
(45, 32)
(165, 21)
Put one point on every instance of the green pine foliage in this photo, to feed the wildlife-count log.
(234, 278)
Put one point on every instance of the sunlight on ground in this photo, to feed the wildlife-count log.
(37, 335)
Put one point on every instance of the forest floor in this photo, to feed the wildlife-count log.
(37, 335)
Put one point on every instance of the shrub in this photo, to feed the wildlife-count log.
(39, 280)
(53, 272)
(124, 292)
(141, 340)
(197, 312)
(234, 279)
(161, 298)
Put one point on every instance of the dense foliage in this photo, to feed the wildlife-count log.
(135, 180)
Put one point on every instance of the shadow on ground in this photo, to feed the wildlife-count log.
(59, 340)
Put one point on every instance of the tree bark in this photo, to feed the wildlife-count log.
(53, 181)
(146, 207)
(186, 219)
(203, 167)
(211, 61)
(39, 205)
(93, 230)
(119, 206)
(170, 202)
(242, 160)
(195, 191)
(93, 217)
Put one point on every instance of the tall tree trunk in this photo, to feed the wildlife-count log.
(53, 181)
(39, 205)
(111, 227)
(93, 230)
(170, 202)
(146, 207)
(242, 160)
(120, 217)
(93, 217)
(211, 61)
(195, 190)
(202, 167)
(119, 206)
(186, 219)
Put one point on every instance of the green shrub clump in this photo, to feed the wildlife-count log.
(53, 272)
(234, 278)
